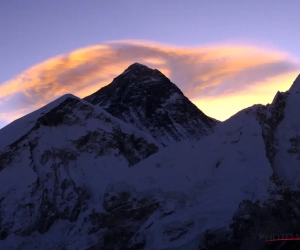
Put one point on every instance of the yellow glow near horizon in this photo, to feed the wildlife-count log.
(223, 108)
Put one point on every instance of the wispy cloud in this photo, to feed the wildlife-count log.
(209, 75)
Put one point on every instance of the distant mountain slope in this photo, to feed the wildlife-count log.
(152, 103)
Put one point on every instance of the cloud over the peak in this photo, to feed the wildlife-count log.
(220, 79)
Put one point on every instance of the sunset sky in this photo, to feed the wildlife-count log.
(224, 55)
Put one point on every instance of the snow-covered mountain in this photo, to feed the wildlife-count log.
(150, 102)
(108, 172)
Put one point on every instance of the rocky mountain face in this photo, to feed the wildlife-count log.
(108, 172)
(149, 101)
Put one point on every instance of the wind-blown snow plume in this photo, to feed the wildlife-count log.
(208, 75)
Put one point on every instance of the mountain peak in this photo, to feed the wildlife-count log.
(137, 70)
(148, 100)
(137, 65)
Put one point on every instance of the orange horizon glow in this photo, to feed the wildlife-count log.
(220, 79)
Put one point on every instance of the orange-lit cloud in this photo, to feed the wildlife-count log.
(219, 79)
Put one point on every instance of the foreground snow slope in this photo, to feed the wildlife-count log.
(52, 185)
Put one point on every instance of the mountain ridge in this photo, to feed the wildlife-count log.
(76, 175)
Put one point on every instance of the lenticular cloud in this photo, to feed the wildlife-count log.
(200, 72)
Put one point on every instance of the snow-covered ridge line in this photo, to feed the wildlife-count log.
(21, 126)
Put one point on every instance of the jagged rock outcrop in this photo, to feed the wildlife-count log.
(281, 131)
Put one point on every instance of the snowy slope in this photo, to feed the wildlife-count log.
(197, 188)
(42, 173)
